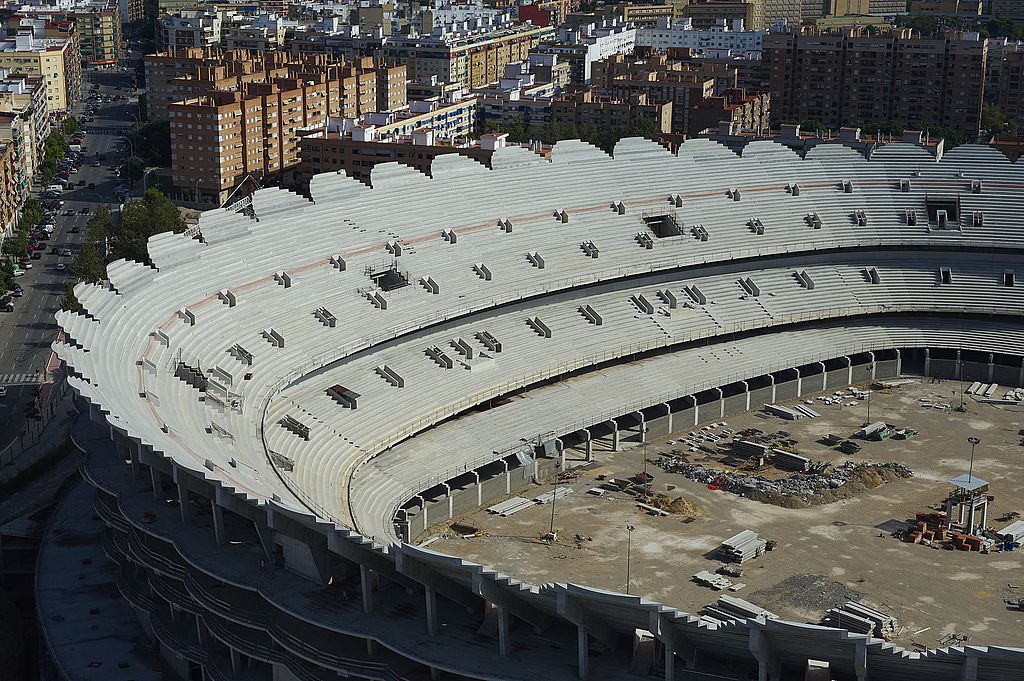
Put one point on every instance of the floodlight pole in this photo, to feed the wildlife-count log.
(975, 441)
(629, 546)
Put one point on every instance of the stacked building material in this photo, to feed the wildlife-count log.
(749, 448)
(711, 580)
(788, 461)
(783, 412)
(742, 547)
(733, 609)
(861, 619)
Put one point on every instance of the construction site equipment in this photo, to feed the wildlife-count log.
(861, 619)
(832, 440)
(849, 447)
(869, 430)
(742, 547)
(904, 434)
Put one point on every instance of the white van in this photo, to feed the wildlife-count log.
(55, 188)
(76, 147)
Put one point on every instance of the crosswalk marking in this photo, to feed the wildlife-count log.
(13, 379)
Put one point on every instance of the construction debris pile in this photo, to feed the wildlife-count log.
(742, 547)
(819, 486)
(933, 529)
(861, 619)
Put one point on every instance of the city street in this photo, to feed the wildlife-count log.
(27, 332)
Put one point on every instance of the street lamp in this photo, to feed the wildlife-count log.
(629, 547)
(975, 441)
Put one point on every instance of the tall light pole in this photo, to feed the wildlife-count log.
(629, 547)
(975, 441)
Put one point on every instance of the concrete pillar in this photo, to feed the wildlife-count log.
(984, 513)
(154, 481)
(366, 588)
(991, 366)
(721, 403)
(583, 651)
(615, 435)
(560, 447)
(873, 365)
(431, 600)
(696, 409)
(899, 362)
(969, 672)
(824, 377)
(849, 370)
(423, 513)
(927, 362)
(94, 413)
(772, 377)
(643, 427)
(136, 457)
(670, 659)
(799, 382)
(767, 665)
(448, 494)
(668, 416)
(590, 445)
(218, 523)
(970, 517)
(183, 503)
(435, 674)
(236, 661)
(479, 490)
(504, 640)
(860, 660)
(371, 647)
(746, 391)
(508, 477)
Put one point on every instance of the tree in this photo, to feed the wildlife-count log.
(69, 125)
(133, 169)
(994, 120)
(152, 142)
(6, 275)
(69, 302)
(16, 245)
(99, 226)
(154, 214)
(88, 264)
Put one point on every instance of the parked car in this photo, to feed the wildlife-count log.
(7, 305)
(25, 263)
(36, 255)
(54, 250)
(84, 210)
(75, 230)
(19, 273)
(65, 252)
(61, 267)
(91, 185)
(69, 212)
(96, 164)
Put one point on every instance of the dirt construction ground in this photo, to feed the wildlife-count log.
(826, 554)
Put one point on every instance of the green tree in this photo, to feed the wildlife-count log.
(69, 301)
(140, 220)
(133, 169)
(16, 245)
(152, 142)
(88, 264)
(99, 226)
(69, 125)
(6, 275)
(994, 120)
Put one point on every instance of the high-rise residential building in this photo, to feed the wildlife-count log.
(469, 58)
(131, 10)
(853, 77)
(707, 13)
(887, 8)
(52, 58)
(582, 45)
(199, 27)
(227, 126)
(1010, 95)
(1007, 9)
(24, 123)
(10, 195)
(97, 24)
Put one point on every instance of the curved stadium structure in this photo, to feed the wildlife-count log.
(286, 398)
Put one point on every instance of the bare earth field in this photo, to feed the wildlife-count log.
(825, 554)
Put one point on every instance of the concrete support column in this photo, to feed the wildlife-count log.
(366, 588)
(451, 504)
(560, 446)
(590, 445)
(236, 661)
(696, 409)
(721, 403)
(154, 481)
(860, 660)
(873, 365)
(183, 503)
(746, 392)
(615, 435)
(969, 672)
(767, 665)
(991, 366)
(849, 370)
(431, 600)
(371, 647)
(899, 362)
(423, 512)
(668, 416)
(479, 490)
(927, 362)
(824, 377)
(136, 457)
(218, 523)
(94, 413)
(670, 659)
(643, 427)
(508, 477)
(799, 382)
(772, 377)
(504, 639)
(583, 651)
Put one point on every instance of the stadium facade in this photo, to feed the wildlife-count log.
(293, 391)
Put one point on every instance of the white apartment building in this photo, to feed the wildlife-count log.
(680, 33)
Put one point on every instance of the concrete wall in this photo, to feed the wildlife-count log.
(861, 373)
(735, 404)
(759, 396)
(785, 390)
(658, 427)
(1008, 376)
(886, 368)
(837, 378)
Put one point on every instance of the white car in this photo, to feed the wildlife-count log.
(19, 273)
(61, 267)
(3, 391)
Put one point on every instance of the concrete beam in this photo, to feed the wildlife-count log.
(504, 636)
(430, 577)
(767, 665)
(505, 599)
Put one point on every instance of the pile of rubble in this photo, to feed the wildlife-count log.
(821, 485)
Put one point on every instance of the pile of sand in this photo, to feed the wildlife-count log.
(676, 505)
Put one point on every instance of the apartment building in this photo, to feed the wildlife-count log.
(1010, 95)
(853, 77)
(325, 151)
(10, 195)
(1007, 9)
(53, 59)
(97, 25)
(24, 123)
(741, 109)
(222, 136)
(468, 58)
(588, 109)
(644, 14)
(683, 34)
(580, 46)
(199, 27)
(131, 10)
(705, 14)
(964, 8)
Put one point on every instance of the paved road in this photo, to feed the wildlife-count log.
(26, 333)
